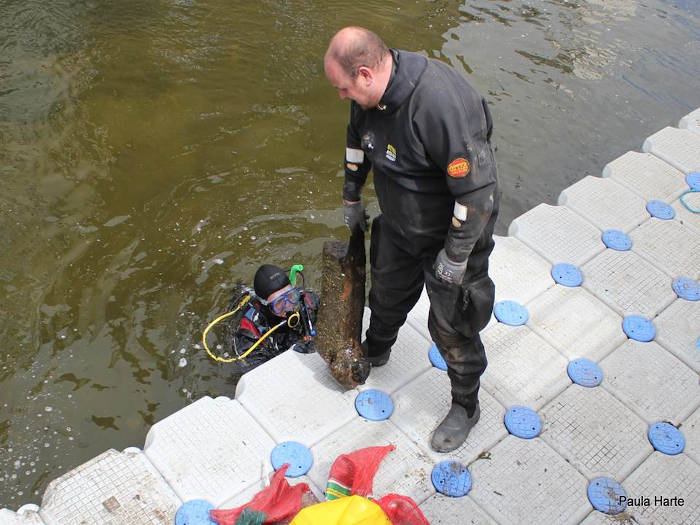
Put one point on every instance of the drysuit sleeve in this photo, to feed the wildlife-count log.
(455, 136)
(356, 164)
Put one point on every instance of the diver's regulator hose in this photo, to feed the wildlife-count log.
(292, 321)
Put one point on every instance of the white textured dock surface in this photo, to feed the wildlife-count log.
(587, 432)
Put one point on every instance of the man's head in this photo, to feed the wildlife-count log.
(358, 65)
(272, 285)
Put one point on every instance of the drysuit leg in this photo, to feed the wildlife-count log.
(458, 314)
(397, 282)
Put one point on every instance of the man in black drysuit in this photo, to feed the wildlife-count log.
(426, 132)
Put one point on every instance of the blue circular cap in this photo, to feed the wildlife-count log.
(660, 210)
(617, 240)
(638, 328)
(297, 455)
(686, 289)
(567, 274)
(374, 405)
(511, 313)
(605, 495)
(693, 180)
(194, 512)
(451, 478)
(585, 372)
(523, 422)
(666, 438)
(436, 358)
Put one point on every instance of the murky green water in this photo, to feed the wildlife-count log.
(152, 153)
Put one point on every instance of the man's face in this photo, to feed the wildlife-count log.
(357, 89)
(283, 301)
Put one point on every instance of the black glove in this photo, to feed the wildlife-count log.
(447, 270)
(304, 347)
(355, 215)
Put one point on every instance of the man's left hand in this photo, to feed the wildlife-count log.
(355, 215)
(447, 270)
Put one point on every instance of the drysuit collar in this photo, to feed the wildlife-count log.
(407, 70)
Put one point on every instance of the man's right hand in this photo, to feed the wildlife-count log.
(355, 215)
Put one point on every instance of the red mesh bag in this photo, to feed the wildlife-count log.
(279, 501)
(402, 510)
(354, 473)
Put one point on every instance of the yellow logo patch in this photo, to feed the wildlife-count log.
(458, 168)
(391, 153)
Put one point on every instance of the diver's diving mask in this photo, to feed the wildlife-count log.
(287, 302)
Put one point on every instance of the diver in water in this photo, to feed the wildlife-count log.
(275, 301)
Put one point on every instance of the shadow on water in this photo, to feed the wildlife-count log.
(153, 153)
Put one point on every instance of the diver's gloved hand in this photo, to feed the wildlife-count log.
(448, 270)
(304, 347)
(355, 215)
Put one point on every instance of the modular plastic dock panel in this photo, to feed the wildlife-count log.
(406, 470)
(678, 331)
(211, 449)
(558, 234)
(669, 246)
(628, 283)
(576, 323)
(418, 316)
(605, 203)
(25, 515)
(691, 431)
(523, 368)
(518, 272)
(409, 358)
(595, 432)
(646, 175)
(684, 216)
(599, 518)
(526, 481)
(444, 510)
(113, 488)
(679, 147)
(651, 381)
(665, 477)
(297, 399)
(691, 121)
(423, 403)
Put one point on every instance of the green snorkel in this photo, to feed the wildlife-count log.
(297, 268)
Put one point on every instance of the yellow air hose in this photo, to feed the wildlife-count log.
(294, 317)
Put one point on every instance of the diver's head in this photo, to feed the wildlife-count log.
(272, 285)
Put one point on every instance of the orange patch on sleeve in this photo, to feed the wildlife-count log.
(458, 168)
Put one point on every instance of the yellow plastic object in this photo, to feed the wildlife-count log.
(352, 510)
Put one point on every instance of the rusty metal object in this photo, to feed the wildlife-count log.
(339, 323)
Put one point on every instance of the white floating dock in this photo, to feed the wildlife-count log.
(219, 449)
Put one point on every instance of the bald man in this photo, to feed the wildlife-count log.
(425, 132)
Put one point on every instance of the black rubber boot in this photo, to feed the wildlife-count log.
(454, 429)
(375, 360)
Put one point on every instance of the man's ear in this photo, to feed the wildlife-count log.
(366, 75)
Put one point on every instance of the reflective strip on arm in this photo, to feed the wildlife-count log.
(460, 211)
(356, 156)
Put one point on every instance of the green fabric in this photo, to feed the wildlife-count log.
(251, 517)
(335, 490)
